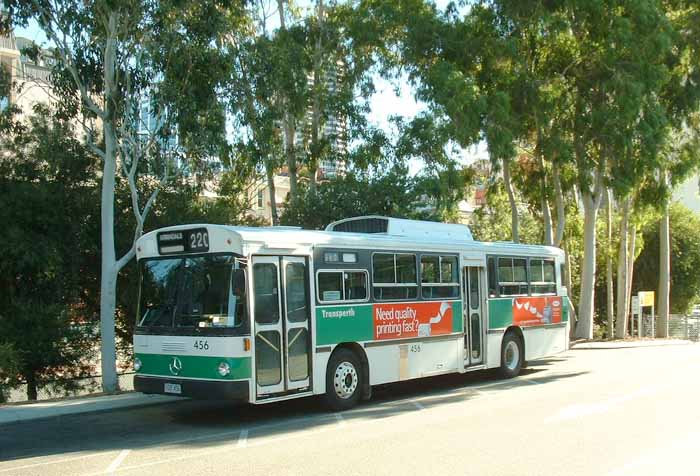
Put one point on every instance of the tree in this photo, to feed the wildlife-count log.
(617, 70)
(491, 221)
(388, 194)
(680, 98)
(291, 59)
(108, 54)
(684, 228)
(47, 199)
(252, 93)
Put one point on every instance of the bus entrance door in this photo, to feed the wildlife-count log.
(473, 312)
(281, 325)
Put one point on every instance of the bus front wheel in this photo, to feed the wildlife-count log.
(343, 380)
(512, 355)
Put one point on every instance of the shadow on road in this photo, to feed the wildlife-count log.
(204, 424)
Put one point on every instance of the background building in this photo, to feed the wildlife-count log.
(31, 78)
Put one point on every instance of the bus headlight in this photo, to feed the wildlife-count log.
(224, 369)
(137, 364)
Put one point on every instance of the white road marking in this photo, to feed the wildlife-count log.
(341, 421)
(242, 439)
(573, 412)
(117, 461)
(418, 405)
(223, 449)
(54, 461)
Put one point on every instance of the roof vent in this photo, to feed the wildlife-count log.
(402, 227)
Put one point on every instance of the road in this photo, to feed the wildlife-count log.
(610, 412)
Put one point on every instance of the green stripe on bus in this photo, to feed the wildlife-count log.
(457, 318)
(194, 366)
(336, 324)
(500, 313)
(565, 309)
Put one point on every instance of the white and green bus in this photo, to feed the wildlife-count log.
(267, 314)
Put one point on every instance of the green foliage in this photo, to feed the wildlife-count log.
(685, 258)
(389, 194)
(48, 198)
(492, 221)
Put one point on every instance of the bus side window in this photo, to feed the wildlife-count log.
(512, 277)
(492, 277)
(395, 276)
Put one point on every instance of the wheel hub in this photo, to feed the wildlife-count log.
(345, 380)
(512, 355)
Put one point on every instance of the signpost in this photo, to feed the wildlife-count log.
(635, 312)
(642, 300)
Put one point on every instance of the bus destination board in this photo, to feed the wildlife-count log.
(183, 241)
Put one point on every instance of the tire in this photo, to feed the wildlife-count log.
(512, 355)
(343, 380)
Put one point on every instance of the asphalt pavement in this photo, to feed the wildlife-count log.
(610, 410)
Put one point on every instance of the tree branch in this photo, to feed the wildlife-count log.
(63, 50)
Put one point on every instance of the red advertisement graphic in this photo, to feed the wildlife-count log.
(536, 311)
(415, 319)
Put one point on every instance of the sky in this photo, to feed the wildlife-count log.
(384, 104)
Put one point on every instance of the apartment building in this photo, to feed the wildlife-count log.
(31, 78)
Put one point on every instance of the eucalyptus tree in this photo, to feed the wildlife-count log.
(252, 94)
(341, 84)
(619, 49)
(292, 60)
(680, 103)
(108, 55)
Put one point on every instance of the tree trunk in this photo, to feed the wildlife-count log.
(547, 219)
(664, 274)
(609, 271)
(632, 240)
(270, 173)
(584, 328)
(291, 156)
(289, 127)
(109, 270)
(316, 108)
(559, 202)
(622, 271)
(546, 210)
(108, 275)
(32, 391)
(572, 307)
(511, 198)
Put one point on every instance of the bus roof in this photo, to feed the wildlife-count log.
(293, 237)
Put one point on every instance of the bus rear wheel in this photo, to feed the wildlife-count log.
(512, 355)
(343, 380)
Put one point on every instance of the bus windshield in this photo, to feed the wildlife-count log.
(202, 293)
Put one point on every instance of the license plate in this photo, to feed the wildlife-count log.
(173, 388)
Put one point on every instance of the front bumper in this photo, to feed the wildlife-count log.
(197, 389)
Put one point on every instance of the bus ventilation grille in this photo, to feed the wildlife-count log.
(365, 225)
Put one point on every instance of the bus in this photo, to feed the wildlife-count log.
(267, 314)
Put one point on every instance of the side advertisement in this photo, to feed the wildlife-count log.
(416, 319)
(537, 311)
(366, 322)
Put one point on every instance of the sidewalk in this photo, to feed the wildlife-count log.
(629, 343)
(72, 406)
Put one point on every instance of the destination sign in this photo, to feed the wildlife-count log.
(183, 241)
